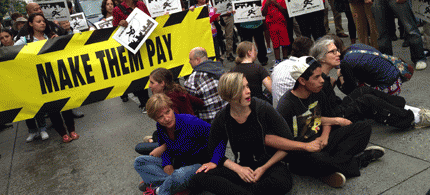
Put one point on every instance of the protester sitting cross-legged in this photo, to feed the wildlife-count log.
(255, 74)
(327, 147)
(161, 81)
(186, 138)
(245, 122)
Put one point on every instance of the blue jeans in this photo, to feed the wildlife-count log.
(151, 171)
(381, 11)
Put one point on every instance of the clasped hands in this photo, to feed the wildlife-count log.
(245, 173)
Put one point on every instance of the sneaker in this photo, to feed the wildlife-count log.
(370, 154)
(424, 118)
(342, 35)
(143, 110)
(335, 180)
(125, 99)
(143, 186)
(230, 57)
(150, 190)
(74, 135)
(43, 134)
(269, 50)
(67, 139)
(31, 137)
(420, 65)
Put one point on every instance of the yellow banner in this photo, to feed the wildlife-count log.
(76, 70)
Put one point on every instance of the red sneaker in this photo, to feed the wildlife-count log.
(74, 135)
(67, 139)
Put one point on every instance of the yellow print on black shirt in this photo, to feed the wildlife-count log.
(309, 123)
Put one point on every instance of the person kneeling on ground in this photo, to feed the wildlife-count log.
(186, 137)
(331, 148)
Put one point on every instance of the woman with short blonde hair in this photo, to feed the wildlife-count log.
(244, 122)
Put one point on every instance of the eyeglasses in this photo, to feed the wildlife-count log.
(334, 51)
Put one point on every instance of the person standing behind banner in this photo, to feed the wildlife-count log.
(120, 14)
(275, 11)
(6, 37)
(38, 30)
(255, 29)
(35, 8)
(107, 9)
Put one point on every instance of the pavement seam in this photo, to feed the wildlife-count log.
(405, 180)
(428, 161)
(11, 159)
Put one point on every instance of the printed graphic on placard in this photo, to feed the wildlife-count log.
(421, 9)
(78, 21)
(104, 24)
(160, 7)
(247, 11)
(70, 71)
(140, 26)
(55, 10)
(300, 7)
(223, 6)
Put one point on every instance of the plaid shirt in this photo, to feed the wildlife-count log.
(201, 85)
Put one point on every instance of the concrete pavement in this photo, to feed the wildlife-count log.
(101, 160)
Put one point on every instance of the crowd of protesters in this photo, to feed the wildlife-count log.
(304, 124)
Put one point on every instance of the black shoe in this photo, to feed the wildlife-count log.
(77, 114)
(342, 35)
(393, 38)
(405, 44)
(370, 154)
(264, 63)
(230, 57)
(125, 99)
(142, 186)
(5, 126)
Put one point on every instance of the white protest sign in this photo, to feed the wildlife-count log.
(300, 7)
(55, 10)
(223, 6)
(160, 7)
(140, 26)
(421, 9)
(104, 24)
(78, 21)
(247, 11)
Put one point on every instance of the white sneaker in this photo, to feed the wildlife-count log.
(31, 137)
(44, 135)
(269, 50)
(420, 65)
(424, 118)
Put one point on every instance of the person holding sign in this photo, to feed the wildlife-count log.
(107, 9)
(121, 12)
(275, 11)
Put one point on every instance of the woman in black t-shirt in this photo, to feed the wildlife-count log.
(244, 122)
(254, 73)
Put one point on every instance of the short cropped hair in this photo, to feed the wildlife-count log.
(200, 52)
(156, 103)
(301, 46)
(320, 48)
(230, 86)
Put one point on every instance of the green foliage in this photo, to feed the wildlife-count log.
(4, 7)
(18, 6)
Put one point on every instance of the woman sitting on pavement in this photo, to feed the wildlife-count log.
(161, 81)
(244, 122)
(186, 138)
(38, 30)
(255, 74)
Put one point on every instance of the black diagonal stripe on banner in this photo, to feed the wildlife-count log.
(9, 115)
(137, 85)
(176, 71)
(9, 53)
(97, 96)
(211, 58)
(100, 35)
(55, 44)
(175, 18)
(204, 13)
(54, 106)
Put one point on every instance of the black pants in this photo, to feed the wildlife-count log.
(221, 180)
(142, 95)
(257, 33)
(312, 24)
(58, 124)
(367, 103)
(338, 156)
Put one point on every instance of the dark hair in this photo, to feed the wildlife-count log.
(7, 31)
(15, 15)
(104, 3)
(162, 74)
(301, 46)
(313, 64)
(30, 29)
